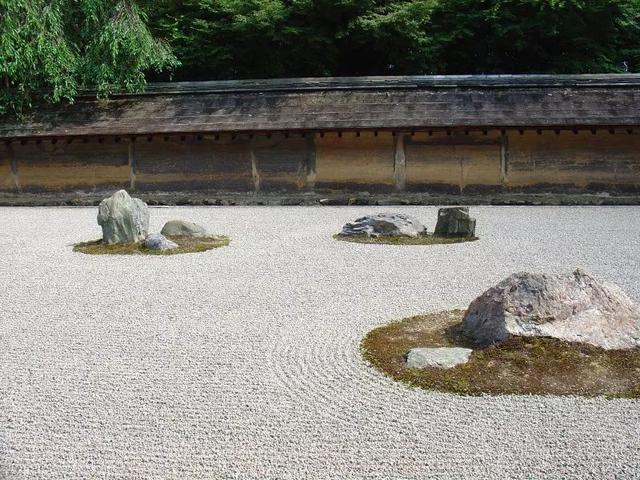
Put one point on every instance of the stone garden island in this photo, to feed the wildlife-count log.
(454, 226)
(530, 334)
(125, 231)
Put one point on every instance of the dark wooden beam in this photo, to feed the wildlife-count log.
(399, 163)
(132, 164)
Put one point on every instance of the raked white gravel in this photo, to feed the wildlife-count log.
(243, 362)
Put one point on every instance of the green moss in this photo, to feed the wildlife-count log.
(389, 240)
(185, 245)
(522, 366)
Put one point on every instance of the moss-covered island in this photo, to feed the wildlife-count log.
(522, 366)
(186, 244)
(403, 240)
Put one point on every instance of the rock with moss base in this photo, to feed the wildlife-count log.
(572, 307)
(385, 224)
(438, 357)
(181, 228)
(455, 222)
(123, 219)
(157, 241)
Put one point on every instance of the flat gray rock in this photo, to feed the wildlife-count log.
(455, 222)
(385, 224)
(573, 307)
(438, 357)
(123, 219)
(157, 241)
(182, 228)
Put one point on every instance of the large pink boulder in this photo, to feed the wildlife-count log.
(573, 307)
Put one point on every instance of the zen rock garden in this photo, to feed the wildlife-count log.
(125, 230)
(453, 225)
(531, 333)
(286, 327)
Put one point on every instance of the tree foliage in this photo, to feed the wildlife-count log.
(59, 46)
(273, 38)
(49, 49)
(544, 36)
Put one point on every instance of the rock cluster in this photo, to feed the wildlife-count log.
(572, 307)
(126, 220)
(123, 219)
(455, 222)
(387, 224)
(452, 222)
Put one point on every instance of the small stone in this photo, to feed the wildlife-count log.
(181, 228)
(334, 201)
(573, 307)
(438, 357)
(385, 224)
(123, 219)
(157, 241)
(455, 222)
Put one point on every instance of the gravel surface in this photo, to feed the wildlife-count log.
(243, 362)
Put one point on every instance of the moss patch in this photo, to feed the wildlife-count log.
(519, 366)
(185, 245)
(389, 240)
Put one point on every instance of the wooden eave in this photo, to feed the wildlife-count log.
(345, 104)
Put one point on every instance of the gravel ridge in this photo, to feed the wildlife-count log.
(243, 362)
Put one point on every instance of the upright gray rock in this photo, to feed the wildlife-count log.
(573, 307)
(385, 224)
(157, 241)
(180, 228)
(123, 219)
(455, 222)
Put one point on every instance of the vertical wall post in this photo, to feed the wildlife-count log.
(255, 174)
(461, 183)
(132, 163)
(13, 162)
(311, 161)
(399, 164)
(504, 159)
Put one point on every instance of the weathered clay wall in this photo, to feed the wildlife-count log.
(357, 162)
(458, 161)
(41, 166)
(437, 161)
(7, 179)
(283, 163)
(582, 159)
(190, 163)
